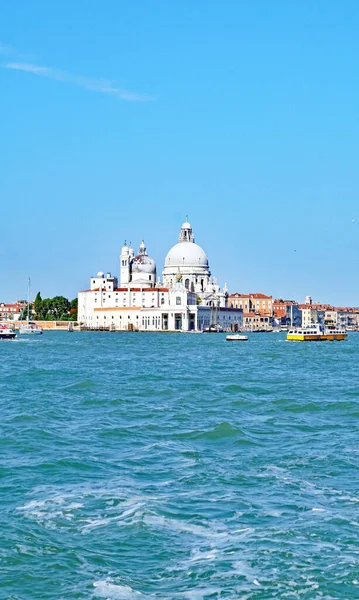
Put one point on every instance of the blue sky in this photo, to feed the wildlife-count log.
(119, 118)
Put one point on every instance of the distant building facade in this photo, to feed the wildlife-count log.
(286, 313)
(252, 303)
(11, 312)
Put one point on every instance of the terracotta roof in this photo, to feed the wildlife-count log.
(285, 302)
(155, 290)
(237, 295)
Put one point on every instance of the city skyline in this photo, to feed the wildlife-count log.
(116, 273)
(118, 123)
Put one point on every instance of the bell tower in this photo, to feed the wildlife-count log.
(125, 265)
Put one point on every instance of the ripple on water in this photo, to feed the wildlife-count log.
(178, 467)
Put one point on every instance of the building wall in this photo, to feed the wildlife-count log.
(150, 310)
(253, 322)
(259, 303)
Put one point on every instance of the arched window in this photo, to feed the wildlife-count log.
(186, 283)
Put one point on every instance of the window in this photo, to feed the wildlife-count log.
(162, 300)
(178, 300)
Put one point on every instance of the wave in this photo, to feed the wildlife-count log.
(115, 591)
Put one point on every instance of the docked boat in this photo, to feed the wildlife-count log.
(237, 338)
(7, 333)
(316, 333)
(213, 329)
(29, 327)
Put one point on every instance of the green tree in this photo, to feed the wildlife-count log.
(38, 305)
(24, 312)
(60, 308)
(44, 313)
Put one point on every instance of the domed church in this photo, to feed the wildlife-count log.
(187, 263)
(187, 299)
(186, 266)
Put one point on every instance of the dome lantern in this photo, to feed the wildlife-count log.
(186, 233)
(142, 248)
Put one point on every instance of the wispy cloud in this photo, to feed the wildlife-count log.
(102, 86)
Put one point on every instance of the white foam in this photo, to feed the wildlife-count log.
(111, 591)
(198, 555)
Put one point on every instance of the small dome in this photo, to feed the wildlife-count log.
(100, 274)
(186, 225)
(125, 249)
(186, 254)
(143, 264)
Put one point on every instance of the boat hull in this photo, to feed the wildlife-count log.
(329, 337)
(30, 331)
(8, 336)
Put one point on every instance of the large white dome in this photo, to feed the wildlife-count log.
(186, 254)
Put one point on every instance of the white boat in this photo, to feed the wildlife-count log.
(237, 338)
(7, 333)
(213, 329)
(29, 327)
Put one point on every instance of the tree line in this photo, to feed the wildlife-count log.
(58, 308)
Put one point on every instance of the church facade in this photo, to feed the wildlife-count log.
(187, 298)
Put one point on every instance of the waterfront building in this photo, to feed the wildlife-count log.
(313, 312)
(286, 313)
(252, 303)
(337, 318)
(187, 299)
(255, 322)
(11, 312)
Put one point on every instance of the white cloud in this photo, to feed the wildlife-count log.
(102, 86)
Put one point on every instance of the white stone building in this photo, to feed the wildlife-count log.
(188, 299)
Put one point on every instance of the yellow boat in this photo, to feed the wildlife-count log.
(316, 333)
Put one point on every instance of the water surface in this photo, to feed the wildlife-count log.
(144, 466)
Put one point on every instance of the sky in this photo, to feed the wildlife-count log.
(120, 118)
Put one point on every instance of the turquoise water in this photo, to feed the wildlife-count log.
(144, 466)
